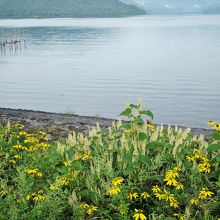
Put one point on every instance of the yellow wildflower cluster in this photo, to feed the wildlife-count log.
(179, 216)
(19, 147)
(67, 163)
(115, 189)
(18, 126)
(34, 171)
(139, 215)
(132, 196)
(166, 196)
(37, 196)
(89, 208)
(215, 126)
(61, 181)
(31, 142)
(83, 156)
(145, 195)
(151, 127)
(203, 194)
(204, 165)
(171, 177)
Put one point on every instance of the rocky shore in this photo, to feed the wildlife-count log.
(58, 125)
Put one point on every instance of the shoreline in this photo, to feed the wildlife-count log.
(58, 125)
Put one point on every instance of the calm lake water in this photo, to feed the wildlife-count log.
(95, 66)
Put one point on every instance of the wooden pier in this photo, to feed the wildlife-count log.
(12, 41)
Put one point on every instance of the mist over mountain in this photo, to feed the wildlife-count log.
(66, 8)
(177, 6)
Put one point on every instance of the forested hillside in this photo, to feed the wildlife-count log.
(66, 8)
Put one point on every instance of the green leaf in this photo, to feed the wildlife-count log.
(142, 136)
(170, 218)
(145, 159)
(129, 169)
(139, 121)
(78, 165)
(213, 147)
(134, 106)
(137, 165)
(128, 158)
(187, 164)
(126, 112)
(114, 160)
(216, 136)
(148, 113)
(127, 126)
(216, 159)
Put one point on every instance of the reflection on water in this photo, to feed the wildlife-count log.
(95, 66)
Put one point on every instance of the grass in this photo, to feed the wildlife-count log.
(130, 171)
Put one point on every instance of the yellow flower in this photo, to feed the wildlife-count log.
(181, 217)
(170, 174)
(174, 203)
(31, 171)
(179, 186)
(170, 181)
(28, 197)
(113, 191)
(139, 215)
(216, 127)
(211, 123)
(42, 132)
(160, 196)
(89, 208)
(194, 201)
(52, 187)
(117, 181)
(190, 159)
(156, 189)
(17, 156)
(67, 163)
(145, 195)
(132, 195)
(151, 127)
(204, 193)
(12, 161)
(64, 181)
(40, 174)
(85, 156)
(204, 167)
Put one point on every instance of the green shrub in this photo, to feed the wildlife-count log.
(133, 170)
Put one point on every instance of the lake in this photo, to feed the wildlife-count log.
(95, 66)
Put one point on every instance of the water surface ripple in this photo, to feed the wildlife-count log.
(94, 66)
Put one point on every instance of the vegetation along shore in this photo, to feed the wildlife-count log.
(120, 170)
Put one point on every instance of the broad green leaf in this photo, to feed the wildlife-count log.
(127, 126)
(213, 147)
(126, 112)
(216, 136)
(136, 165)
(133, 106)
(142, 136)
(148, 113)
(78, 165)
(145, 159)
(129, 169)
(127, 158)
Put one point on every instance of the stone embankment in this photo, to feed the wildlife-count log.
(58, 125)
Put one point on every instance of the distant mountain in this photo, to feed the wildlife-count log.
(176, 6)
(66, 8)
(215, 10)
